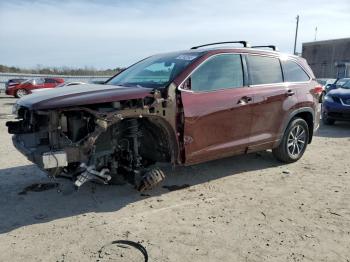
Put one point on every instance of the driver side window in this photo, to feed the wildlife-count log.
(219, 72)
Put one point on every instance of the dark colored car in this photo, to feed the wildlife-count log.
(336, 105)
(181, 108)
(25, 87)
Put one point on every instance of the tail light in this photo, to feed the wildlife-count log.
(317, 90)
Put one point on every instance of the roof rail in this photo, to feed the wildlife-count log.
(244, 43)
(273, 47)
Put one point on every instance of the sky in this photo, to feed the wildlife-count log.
(109, 34)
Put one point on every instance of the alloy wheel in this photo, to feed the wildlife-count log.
(21, 92)
(296, 141)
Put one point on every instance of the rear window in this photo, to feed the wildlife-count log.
(293, 72)
(264, 70)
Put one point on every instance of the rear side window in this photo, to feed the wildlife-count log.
(293, 72)
(219, 72)
(264, 70)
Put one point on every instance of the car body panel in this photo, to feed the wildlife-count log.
(59, 86)
(216, 125)
(270, 107)
(81, 95)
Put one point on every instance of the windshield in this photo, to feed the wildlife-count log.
(155, 72)
(346, 85)
(341, 82)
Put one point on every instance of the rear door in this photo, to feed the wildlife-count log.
(217, 111)
(272, 99)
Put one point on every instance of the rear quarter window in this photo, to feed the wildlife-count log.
(264, 70)
(293, 72)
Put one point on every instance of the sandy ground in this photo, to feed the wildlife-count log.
(244, 208)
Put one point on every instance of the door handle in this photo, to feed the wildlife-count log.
(244, 100)
(290, 92)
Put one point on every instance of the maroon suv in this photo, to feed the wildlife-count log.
(181, 108)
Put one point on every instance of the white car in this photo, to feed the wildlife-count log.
(61, 85)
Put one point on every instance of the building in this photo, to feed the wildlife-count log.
(328, 59)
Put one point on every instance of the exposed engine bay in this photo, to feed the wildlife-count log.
(113, 142)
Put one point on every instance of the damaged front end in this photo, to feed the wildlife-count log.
(113, 142)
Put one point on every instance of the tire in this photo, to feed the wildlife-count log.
(21, 93)
(151, 179)
(294, 141)
(327, 121)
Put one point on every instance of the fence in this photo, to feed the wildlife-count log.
(4, 77)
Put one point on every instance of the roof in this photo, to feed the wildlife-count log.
(329, 41)
(206, 50)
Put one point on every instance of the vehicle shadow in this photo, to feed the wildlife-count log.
(19, 210)
(2, 96)
(338, 130)
(9, 103)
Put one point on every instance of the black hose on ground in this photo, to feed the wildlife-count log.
(136, 245)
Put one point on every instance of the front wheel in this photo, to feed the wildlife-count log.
(327, 121)
(294, 142)
(20, 93)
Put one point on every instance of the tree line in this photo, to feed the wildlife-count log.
(59, 70)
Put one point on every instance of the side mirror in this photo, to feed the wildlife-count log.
(187, 84)
(330, 87)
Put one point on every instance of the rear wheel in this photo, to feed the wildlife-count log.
(294, 142)
(20, 93)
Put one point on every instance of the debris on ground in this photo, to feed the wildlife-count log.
(124, 244)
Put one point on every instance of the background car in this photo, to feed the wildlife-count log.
(336, 105)
(27, 86)
(60, 85)
(324, 82)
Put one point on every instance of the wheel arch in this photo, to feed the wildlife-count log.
(305, 113)
(162, 135)
(20, 88)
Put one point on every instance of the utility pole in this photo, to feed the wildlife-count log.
(315, 33)
(296, 35)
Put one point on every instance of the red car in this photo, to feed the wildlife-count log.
(25, 87)
(180, 108)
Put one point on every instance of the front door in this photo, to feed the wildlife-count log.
(217, 111)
